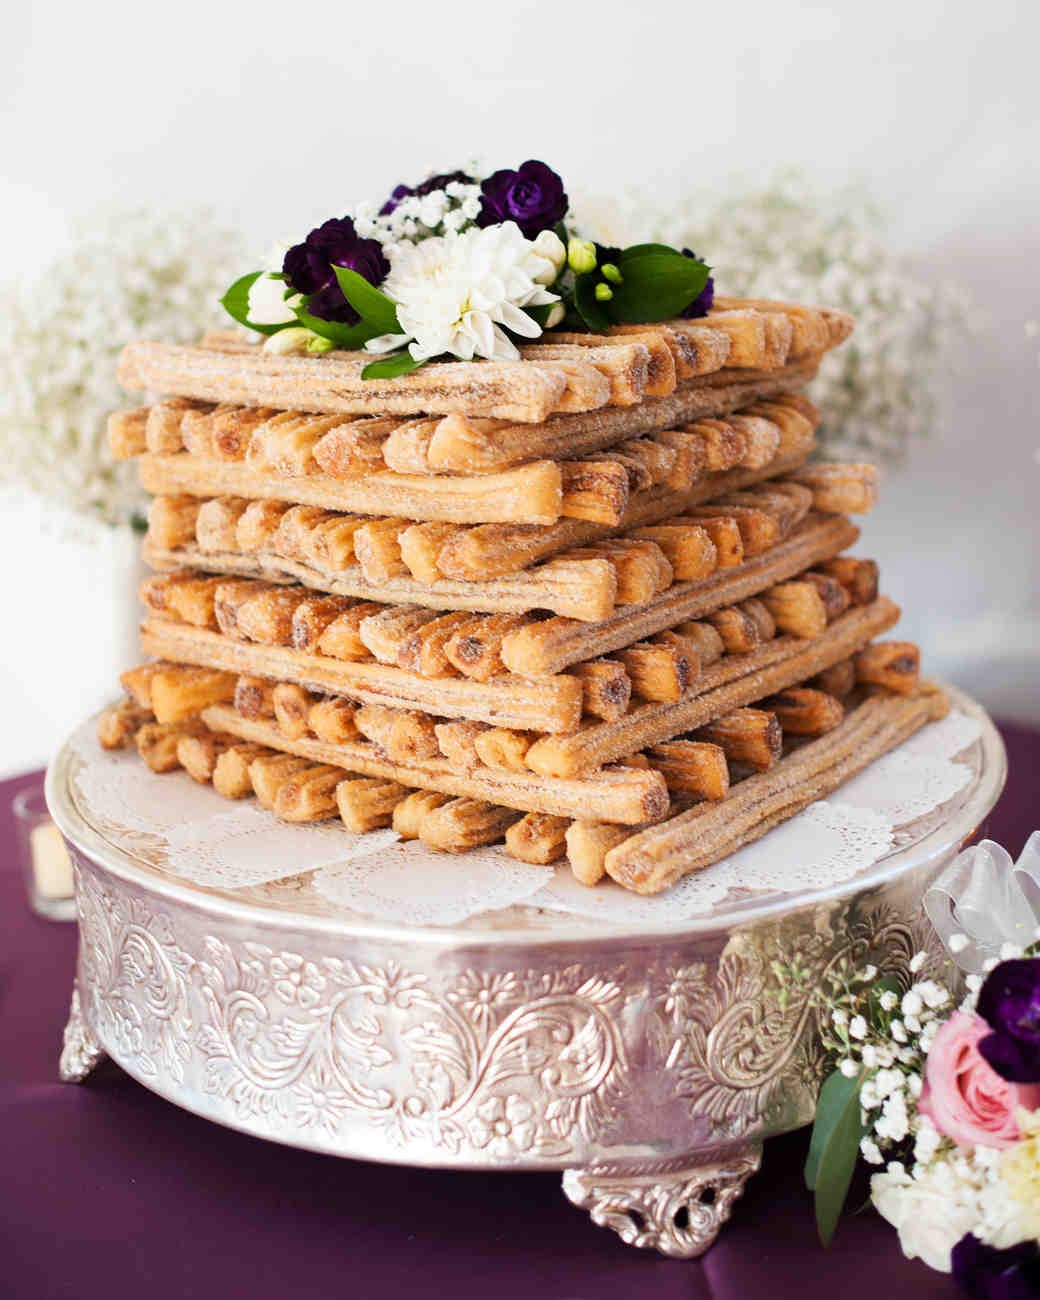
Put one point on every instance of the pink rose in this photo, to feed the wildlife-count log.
(963, 1095)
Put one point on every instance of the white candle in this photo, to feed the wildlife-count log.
(51, 864)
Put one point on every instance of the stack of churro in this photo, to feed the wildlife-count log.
(593, 603)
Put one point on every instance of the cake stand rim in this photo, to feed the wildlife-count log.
(980, 802)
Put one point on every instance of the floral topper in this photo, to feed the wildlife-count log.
(459, 266)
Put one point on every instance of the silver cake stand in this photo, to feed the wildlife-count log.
(647, 1066)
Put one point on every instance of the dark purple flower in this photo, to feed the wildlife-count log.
(986, 1273)
(701, 305)
(308, 267)
(1009, 1002)
(431, 183)
(532, 196)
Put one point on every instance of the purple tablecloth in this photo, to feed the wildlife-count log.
(107, 1190)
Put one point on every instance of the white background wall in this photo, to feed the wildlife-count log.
(280, 113)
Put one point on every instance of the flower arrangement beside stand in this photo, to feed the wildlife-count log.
(943, 1102)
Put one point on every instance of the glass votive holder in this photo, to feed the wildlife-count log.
(45, 857)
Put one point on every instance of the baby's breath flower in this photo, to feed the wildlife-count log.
(849, 1068)
(871, 1152)
(129, 273)
(881, 394)
(898, 1031)
(912, 1003)
(927, 1140)
(889, 1000)
(858, 1027)
(917, 961)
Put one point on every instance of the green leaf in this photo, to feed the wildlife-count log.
(635, 251)
(657, 283)
(371, 304)
(834, 1149)
(397, 363)
(351, 337)
(236, 303)
(592, 312)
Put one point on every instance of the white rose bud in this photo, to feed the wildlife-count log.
(296, 339)
(556, 314)
(550, 246)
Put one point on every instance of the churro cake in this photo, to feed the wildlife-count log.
(480, 529)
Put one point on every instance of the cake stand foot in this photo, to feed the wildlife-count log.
(81, 1052)
(676, 1207)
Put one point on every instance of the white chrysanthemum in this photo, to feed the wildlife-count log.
(458, 294)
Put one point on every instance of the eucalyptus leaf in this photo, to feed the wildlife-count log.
(398, 363)
(834, 1148)
(370, 303)
(657, 283)
(236, 303)
(588, 307)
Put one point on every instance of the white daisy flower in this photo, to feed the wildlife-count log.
(460, 293)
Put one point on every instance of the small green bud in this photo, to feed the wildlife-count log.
(581, 255)
(610, 272)
(604, 292)
(318, 345)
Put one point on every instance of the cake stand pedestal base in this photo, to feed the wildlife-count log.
(676, 1207)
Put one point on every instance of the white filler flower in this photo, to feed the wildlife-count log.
(459, 293)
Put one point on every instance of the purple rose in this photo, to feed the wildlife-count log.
(1009, 1002)
(438, 182)
(308, 268)
(987, 1273)
(532, 196)
(701, 305)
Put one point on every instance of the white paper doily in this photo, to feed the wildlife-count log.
(196, 835)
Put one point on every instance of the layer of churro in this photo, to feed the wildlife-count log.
(527, 391)
(351, 556)
(612, 489)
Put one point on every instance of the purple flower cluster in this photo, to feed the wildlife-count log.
(308, 267)
(1009, 1002)
(701, 305)
(987, 1273)
(533, 196)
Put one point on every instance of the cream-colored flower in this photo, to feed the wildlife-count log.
(1015, 1195)
(931, 1212)
(459, 294)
